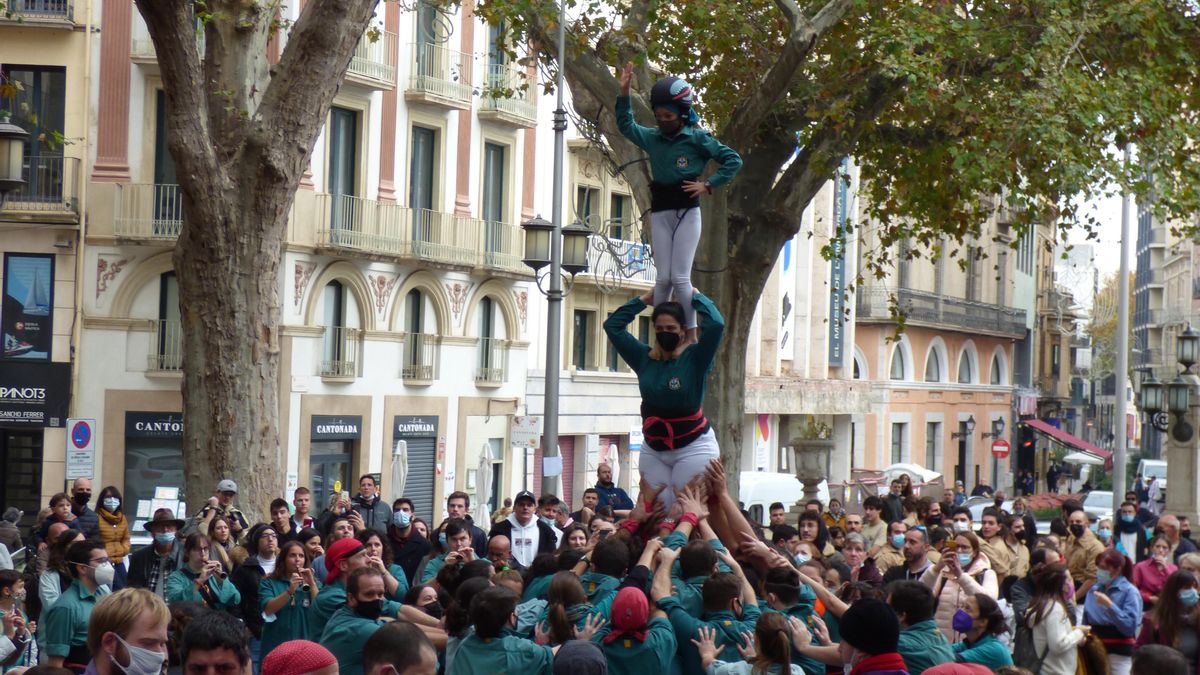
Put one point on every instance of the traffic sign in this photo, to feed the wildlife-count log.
(1000, 448)
(81, 448)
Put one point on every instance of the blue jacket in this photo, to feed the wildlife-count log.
(613, 496)
(1125, 616)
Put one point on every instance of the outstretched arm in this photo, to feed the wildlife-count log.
(615, 326)
(630, 129)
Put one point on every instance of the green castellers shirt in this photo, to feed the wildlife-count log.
(674, 159)
(674, 386)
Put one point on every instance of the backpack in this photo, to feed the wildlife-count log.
(1025, 653)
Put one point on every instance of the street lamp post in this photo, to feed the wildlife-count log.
(1180, 398)
(968, 428)
(12, 156)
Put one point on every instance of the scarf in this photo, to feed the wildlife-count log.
(1127, 528)
(110, 518)
(890, 661)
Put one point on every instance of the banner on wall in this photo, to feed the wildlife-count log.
(837, 266)
(787, 301)
(762, 441)
(26, 316)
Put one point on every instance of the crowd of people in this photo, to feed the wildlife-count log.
(909, 585)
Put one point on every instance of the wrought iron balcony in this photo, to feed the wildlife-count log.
(51, 190)
(934, 309)
(508, 96)
(166, 347)
(374, 61)
(420, 358)
(148, 212)
(341, 352)
(492, 368)
(440, 76)
(39, 11)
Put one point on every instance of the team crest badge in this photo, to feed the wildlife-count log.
(681, 162)
(673, 384)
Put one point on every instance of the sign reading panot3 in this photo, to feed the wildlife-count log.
(336, 427)
(34, 394)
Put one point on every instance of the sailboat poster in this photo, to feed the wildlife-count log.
(28, 310)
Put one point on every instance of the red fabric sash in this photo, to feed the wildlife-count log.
(673, 428)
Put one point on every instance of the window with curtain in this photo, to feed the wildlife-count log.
(933, 367)
(897, 370)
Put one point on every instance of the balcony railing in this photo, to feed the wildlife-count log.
(375, 59)
(508, 95)
(166, 348)
(384, 228)
(141, 49)
(493, 361)
(617, 259)
(420, 358)
(341, 349)
(51, 186)
(941, 310)
(150, 211)
(440, 75)
(42, 10)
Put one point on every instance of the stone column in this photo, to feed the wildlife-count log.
(1183, 457)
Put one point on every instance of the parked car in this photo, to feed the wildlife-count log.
(760, 489)
(1098, 504)
(1154, 467)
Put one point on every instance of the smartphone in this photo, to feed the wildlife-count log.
(346, 495)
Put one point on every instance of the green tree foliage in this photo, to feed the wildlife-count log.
(942, 103)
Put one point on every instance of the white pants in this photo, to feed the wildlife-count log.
(676, 468)
(1119, 665)
(674, 236)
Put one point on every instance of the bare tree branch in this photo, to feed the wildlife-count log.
(743, 123)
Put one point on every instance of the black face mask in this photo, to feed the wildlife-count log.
(370, 610)
(669, 127)
(433, 609)
(1078, 530)
(933, 520)
(82, 498)
(1186, 534)
(668, 341)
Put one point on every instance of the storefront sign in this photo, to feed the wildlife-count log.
(153, 425)
(525, 432)
(336, 427)
(26, 316)
(837, 266)
(415, 426)
(34, 394)
(81, 448)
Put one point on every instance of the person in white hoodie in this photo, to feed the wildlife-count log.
(1054, 638)
(528, 534)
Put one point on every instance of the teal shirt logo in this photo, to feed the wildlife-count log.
(681, 162)
(673, 384)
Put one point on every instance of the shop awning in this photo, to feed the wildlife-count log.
(1067, 439)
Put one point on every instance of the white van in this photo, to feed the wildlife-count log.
(759, 489)
(1154, 467)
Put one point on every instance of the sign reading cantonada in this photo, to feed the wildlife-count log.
(34, 394)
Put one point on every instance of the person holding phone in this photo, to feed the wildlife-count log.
(201, 579)
(285, 595)
(962, 572)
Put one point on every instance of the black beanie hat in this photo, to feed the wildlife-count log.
(871, 627)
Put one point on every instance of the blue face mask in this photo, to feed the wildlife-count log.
(548, 521)
(1127, 518)
(442, 539)
(401, 519)
(1103, 577)
(1104, 533)
(964, 559)
(1189, 597)
(898, 540)
(802, 560)
(112, 504)
(164, 538)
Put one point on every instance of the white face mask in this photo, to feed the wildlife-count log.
(141, 661)
(105, 573)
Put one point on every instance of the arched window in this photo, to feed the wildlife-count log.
(997, 377)
(933, 367)
(857, 371)
(898, 367)
(964, 369)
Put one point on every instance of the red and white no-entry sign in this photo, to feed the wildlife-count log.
(1000, 448)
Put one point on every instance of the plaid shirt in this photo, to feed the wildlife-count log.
(162, 568)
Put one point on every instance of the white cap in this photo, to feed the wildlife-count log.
(227, 486)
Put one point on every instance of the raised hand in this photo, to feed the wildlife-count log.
(821, 631)
(591, 626)
(800, 635)
(541, 633)
(714, 473)
(626, 78)
(691, 500)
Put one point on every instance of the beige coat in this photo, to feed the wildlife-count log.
(996, 549)
(952, 594)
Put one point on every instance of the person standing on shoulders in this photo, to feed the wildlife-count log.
(85, 518)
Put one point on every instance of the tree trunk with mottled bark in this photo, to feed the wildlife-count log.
(241, 131)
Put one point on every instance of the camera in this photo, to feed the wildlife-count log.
(305, 588)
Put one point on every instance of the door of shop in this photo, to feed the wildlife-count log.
(20, 486)
(329, 465)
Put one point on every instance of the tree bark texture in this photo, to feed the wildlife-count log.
(241, 133)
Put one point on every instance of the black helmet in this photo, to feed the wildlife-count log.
(672, 92)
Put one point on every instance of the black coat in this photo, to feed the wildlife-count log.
(142, 562)
(479, 538)
(86, 521)
(246, 578)
(408, 553)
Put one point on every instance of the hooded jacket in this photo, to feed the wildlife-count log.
(376, 515)
(524, 548)
(951, 594)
